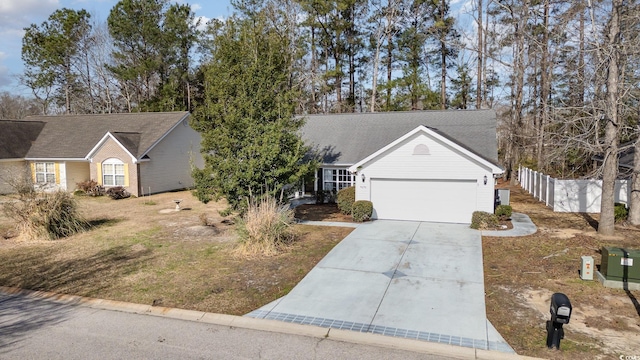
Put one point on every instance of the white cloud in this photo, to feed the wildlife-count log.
(203, 22)
(18, 14)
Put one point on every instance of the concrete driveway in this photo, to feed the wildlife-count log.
(400, 278)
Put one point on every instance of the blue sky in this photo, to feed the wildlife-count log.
(15, 15)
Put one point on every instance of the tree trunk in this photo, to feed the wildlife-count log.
(545, 89)
(314, 69)
(443, 51)
(517, 89)
(634, 204)
(480, 56)
(374, 82)
(389, 70)
(606, 226)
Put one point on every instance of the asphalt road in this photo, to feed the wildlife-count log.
(34, 328)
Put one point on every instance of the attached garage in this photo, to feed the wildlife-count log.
(426, 176)
(446, 200)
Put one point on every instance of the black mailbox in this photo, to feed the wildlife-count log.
(560, 314)
(560, 308)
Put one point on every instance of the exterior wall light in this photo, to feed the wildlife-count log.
(362, 177)
(485, 179)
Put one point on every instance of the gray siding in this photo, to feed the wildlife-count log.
(169, 167)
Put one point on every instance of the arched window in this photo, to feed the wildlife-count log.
(113, 172)
(421, 149)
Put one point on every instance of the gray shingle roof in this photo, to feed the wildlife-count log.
(345, 139)
(73, 136)
(17, 136)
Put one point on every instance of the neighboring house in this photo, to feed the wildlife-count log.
(16, 138)
(423, 165)
(625, 160)
(143, 152)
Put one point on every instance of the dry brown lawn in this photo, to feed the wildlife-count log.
(141, 250)
(522, 273)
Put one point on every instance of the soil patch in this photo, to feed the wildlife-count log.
(321, 212)
(522, 273)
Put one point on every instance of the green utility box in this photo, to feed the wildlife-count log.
(620, 264)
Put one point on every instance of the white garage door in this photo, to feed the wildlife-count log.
(451, 201)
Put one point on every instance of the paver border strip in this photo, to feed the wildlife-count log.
(369, 339)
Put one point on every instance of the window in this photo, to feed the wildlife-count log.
(113, 173)
(45, 173)
(337, 179)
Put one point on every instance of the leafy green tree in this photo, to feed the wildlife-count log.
(250, 142)
(135, 27)
(412, 85)
(446, 37)
(461, 85)
(49, 52)
(180, 34)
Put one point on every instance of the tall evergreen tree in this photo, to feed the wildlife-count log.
(446, 37)
(135, 26)
(49, 52)
(250, 142)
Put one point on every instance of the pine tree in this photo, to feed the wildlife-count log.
(49, 52)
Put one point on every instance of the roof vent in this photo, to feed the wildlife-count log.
(421, 149)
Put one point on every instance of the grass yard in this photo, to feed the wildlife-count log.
(141, 250)
(522, 273)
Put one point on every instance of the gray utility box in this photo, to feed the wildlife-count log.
(503, 195)
(587, 268)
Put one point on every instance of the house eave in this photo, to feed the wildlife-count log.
(495, 169)
(184, 118)
(57, 159)
(106, 136)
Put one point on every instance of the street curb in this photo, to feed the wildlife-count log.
(347, 336)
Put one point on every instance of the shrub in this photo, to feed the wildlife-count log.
(46, 215)
(620, 212)
(117, 193)
(345, 199)
(482, 220)
(330, 196)
(91, 188)
(326, 196)
(503, 212)
(265, 227)
(362, 210)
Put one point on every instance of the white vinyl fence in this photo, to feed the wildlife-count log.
(569, 195)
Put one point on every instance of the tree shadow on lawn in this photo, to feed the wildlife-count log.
(40, 270)
(590, 220)
(96, 223)
(21, 315)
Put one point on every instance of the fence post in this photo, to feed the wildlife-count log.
(535, 185)
(547, 199)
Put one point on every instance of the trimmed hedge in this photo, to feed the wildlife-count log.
(362, 210)
(504, 211)
(345, 199)
(481, 220)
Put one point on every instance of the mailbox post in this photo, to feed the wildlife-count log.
(560, 314)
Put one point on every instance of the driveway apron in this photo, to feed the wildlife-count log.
(399, 278)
